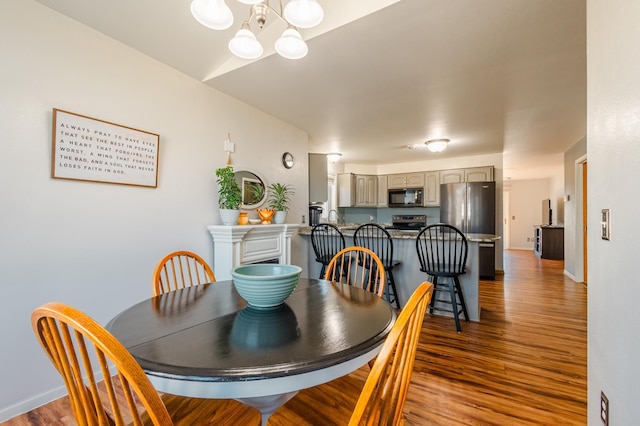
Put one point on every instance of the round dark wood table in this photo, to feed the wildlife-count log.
(207, 342)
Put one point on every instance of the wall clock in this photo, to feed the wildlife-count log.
(287, 160)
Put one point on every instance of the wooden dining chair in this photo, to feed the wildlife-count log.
(442, 252)
(359, 267)
(180, 269)
(380, 401)
(378, 240)
(327, 240)
(83, 351)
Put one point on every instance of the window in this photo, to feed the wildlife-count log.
(332, 195)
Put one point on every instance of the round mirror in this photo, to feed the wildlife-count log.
(253, 188)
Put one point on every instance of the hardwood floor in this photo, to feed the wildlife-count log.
(525, 363)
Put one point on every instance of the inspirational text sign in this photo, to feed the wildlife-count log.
(86, 148)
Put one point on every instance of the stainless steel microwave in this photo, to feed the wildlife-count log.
(407, 197)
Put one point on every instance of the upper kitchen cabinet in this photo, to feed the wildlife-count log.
(432, 189)
(357, 190)
(473, 174)
(406, 180)
(366, 190)
(318, 182)
(383, 186)
(346, 190)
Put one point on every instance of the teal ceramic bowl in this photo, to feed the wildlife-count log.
(265, 285)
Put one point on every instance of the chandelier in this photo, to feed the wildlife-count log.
(215, 14)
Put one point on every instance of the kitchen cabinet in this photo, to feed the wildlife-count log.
(366, 190)
(382, 190)
(406, 180)
(357, 190)
(432, 189)
(346, 190)
(549, 242)
(472, 174)
(318, 181)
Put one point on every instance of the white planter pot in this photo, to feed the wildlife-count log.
(229, 217)
(280, 216)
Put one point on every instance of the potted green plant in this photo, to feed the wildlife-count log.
(279, 198)
(229, 195)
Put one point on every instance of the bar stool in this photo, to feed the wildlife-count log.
(377, 239)
(442, 251)
(327, 240)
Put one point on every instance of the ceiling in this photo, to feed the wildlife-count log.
(492, 75)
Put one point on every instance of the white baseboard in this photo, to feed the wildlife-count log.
(32, 403)
(41, 399)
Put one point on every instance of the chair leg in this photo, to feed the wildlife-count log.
(322, 271)
(452, 292)
(464, 305)
(392, 285)
(433, 296)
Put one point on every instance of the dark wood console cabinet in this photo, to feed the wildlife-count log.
(549, 242)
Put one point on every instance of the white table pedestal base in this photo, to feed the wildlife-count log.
(267, 404)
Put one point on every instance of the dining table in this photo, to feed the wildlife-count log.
(205, 341)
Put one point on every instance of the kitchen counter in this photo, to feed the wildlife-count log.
(348, 230)
(408, 275)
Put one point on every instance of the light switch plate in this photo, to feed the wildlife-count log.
(605, 225)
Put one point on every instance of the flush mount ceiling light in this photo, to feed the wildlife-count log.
(215, 14)
(334, 157)
(437, 145)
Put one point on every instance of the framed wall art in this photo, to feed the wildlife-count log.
(89, 149)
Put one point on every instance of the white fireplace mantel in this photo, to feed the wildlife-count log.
(242, 244)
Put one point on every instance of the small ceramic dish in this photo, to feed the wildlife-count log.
(254, 221)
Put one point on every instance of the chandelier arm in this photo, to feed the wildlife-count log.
(278, 14)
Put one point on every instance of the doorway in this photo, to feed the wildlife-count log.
(581, 221)
(584, 222)
(506, 220)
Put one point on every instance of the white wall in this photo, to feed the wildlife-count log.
(613, 146)
(525, 210)
(94, 245)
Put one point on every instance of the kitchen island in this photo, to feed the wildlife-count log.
(408, 275)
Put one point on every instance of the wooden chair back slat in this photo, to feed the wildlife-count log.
(91, 349)
(377, 239)
(385, 391)
(442, 250)
(359, 267)
(181, 269)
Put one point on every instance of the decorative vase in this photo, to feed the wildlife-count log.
(229, 217)
(280, 216)
(243, 219)
(265, 215)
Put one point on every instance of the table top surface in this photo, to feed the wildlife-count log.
(208, 332)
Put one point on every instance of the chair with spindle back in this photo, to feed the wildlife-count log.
(83, 352)
(180, 269)
(327, 240)
(381, 400)
(359, 267)
(377, 239)
(442, 252)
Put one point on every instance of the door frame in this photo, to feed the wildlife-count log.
(580, 213)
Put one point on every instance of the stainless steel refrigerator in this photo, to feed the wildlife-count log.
(471, 207)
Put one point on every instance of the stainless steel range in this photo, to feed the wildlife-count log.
(408, 222)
